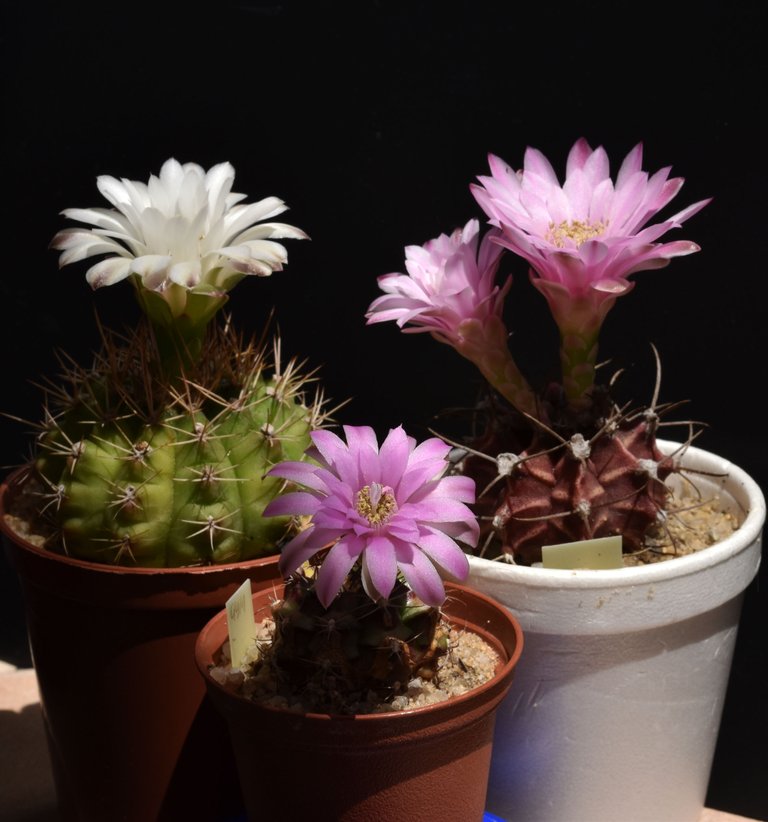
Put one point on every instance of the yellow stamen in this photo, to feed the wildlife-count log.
(375, 503)
(575, 230)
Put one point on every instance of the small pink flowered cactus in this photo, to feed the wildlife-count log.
(365, 576)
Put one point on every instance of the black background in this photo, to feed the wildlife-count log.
(371, 119)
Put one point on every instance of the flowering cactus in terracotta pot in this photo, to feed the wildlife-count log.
(142, 508)
(391, 520)
(367, 628)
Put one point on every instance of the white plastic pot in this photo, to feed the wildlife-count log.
(616, 704)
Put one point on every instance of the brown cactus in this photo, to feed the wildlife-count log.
(595, 474)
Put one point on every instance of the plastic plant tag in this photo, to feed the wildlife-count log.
(240, 623)
(593, 554)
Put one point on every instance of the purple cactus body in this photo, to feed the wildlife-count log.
(610, 485)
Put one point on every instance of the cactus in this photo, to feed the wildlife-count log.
(157, 455)
(599, 475)
(354, 646)
(570, 465)
(140, 471)
(364, 583)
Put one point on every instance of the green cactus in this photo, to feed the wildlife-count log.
(156, 455)
(138, 470)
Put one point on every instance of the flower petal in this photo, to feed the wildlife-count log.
(242, 217)
(303, 473)
(380, 564)
(466, 531)
(274, 231)
(361, 436)
(186, 274)
(303, 547)
(337, 455)
(421, 575)
(336, 566)
(153, 270)
(394, 454)
(296, 503)
(460, 488)
(103, 218)
(443, 551)
(108, 272)
(427, 462)
(77, 244)
(577, 157)
(437, 509)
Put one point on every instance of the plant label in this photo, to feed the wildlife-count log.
(240, 623)
(594, 554)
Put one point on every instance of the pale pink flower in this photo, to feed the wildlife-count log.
(584, 238)
(450, 290)
(448, 283)
(391, 508)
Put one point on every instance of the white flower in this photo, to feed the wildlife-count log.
(182, 231)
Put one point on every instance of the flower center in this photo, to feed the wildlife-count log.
(376, 503)
(575, 230)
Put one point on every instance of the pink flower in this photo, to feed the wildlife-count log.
(450, 291)
(585, 238)
(389, 507)
(448, 283)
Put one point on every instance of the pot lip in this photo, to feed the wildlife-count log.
(504, 673)
(747, 534)
(16, 476)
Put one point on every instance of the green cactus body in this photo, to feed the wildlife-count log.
(184, 485)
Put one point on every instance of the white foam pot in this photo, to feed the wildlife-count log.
(616, 704)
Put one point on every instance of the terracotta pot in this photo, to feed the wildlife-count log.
(130, 733)
(427, 763)
(616, 712)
